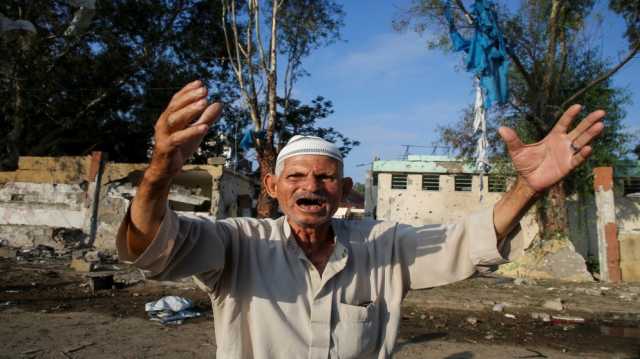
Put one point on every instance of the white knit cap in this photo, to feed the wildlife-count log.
(307, 145)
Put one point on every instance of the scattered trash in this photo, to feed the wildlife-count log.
(423, 317)
(5, 304)
(561, 319)
(171, 310)
(472, 320)
(510, 316)
(554, 304)
(541, 316)
(499, 307)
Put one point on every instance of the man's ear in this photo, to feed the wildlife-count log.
(347, 185)
(270, 185)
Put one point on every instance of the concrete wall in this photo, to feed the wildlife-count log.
(415, 206)
(628, 223)
(583, 231)
(45, 201)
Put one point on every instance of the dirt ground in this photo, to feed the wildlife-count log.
(48, 311)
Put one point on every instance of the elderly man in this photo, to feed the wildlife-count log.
(306, 285)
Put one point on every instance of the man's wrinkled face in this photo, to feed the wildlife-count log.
(309, 189)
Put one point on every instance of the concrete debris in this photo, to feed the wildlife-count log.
(93, 256)
(523, 281)
(628, 296)
(499, 307)
(41, 251)
(8, 252)
(100, 280)
(590, 291)
(541, 316)
(554, 304)
(81, 265)
(550, 259)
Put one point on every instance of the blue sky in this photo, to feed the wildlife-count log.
(389, 89)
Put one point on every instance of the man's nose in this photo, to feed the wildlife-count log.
(311, 184)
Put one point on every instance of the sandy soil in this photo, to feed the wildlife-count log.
(47, 311)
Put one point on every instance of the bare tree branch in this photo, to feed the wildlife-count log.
(593, 83)
(466, 13)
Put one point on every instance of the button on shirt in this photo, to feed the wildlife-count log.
(269, 300)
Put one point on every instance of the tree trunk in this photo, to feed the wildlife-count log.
(14, 136)
(553, 214)
(267, 207)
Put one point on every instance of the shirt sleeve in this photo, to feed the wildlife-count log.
(442, 254)
(182, 247)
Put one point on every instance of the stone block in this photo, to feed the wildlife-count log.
(80, 265)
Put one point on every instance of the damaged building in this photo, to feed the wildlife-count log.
(441, 189)
(71, 202)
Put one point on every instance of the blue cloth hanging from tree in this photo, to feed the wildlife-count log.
(486, 51)
(248, 140)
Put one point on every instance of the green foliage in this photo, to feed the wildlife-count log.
(103, 89)
(542, 77)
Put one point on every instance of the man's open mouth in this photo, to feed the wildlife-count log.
(311, 204)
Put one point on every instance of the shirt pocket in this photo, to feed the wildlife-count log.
(356, 333)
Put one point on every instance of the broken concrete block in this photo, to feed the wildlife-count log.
(590, 291)
(554, 304)
(81, 265)
(100, 280)
(552, 259)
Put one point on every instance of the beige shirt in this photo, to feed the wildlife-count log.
(269, 301)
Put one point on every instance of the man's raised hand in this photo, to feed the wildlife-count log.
(177, 136)
(545, 163)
